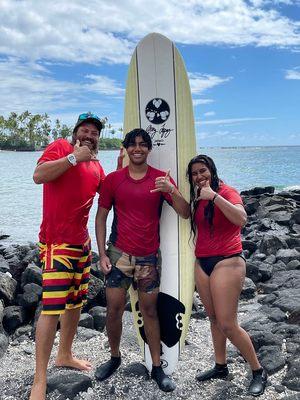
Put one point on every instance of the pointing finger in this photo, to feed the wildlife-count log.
(167, 176)
(154, 190)
(77, 144)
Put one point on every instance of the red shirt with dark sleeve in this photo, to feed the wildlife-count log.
(224, 238)
(135, 228)
(67, 199)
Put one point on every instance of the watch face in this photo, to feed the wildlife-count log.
(72, 159)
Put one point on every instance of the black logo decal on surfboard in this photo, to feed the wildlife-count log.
(170, 312)
(157, 111)
(140, 322)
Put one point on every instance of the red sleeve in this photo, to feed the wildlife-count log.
(106, 198)
(232, 195)
(102, 178)
(56, 150)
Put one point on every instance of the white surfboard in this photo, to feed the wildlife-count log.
(158, 99)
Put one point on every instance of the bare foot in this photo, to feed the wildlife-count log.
(38, 391)
(72, 362)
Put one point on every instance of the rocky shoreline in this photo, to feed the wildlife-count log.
(269, 311)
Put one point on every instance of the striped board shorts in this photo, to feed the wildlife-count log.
(66, 273)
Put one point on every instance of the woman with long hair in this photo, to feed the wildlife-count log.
(217, 215)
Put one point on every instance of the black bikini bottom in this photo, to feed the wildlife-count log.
(208, 263)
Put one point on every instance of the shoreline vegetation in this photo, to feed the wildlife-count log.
(33, 132)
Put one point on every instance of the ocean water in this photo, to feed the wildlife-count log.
(242, 168)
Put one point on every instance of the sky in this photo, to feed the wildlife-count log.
(242, 58)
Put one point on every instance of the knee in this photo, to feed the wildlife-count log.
(227, 327)
(149, 311)
(114, 311)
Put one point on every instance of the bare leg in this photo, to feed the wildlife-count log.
(68, 326)
(116, 300)
(148, 309)
(45, 334)
(226, 283)
(218, 338)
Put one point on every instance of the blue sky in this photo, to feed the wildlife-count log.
(242, 57)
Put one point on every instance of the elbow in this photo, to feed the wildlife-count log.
(185, 212)
(186, 215)
(243, 220)
(37, 178)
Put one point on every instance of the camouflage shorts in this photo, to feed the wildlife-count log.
(142, 272)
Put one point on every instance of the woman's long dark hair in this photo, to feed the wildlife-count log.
(215, 185)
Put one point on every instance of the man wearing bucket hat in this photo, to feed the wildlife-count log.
(71, 175)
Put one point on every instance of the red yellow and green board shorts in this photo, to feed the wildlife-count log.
(66, 274)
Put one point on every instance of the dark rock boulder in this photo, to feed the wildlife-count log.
(31, 295)
(32, 274)
(251, 205)
(99, 315)
(271, 243)
(86, 321)
(293, 264)
(8, 287)
(136, 369)
(295, 217)
(272, 358)
(68, 383)
(258, 191)
(4, 342)
(282, 218)
(286, 279)
(96, 293)
(258, 271)
(287, 255)
(294, 317)
(288, 300)
(276, 315)
(33, 256)
(4, 266)
(292, 377)
(14, 316)
(249, 289)
(249, 245)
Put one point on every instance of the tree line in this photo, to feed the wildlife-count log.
(28, 132)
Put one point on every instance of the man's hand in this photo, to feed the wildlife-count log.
(163, 184)
(105, 264)
(82, 153)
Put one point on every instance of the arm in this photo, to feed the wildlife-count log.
(235, 213)
(101, 218)
(50, 170)
(120, 158)
(180, 205)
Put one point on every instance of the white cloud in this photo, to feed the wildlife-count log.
(30, 86)
(292, 74)
(197, 102)
(209, 114)
(232, 121)
(201, 82)
(104, 85)
(101, 31)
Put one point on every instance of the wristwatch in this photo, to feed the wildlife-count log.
(72, 159)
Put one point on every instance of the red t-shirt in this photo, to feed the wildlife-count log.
(135, 228)
(67, 200)
(225, 237)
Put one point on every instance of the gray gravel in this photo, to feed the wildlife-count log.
(17, 365)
